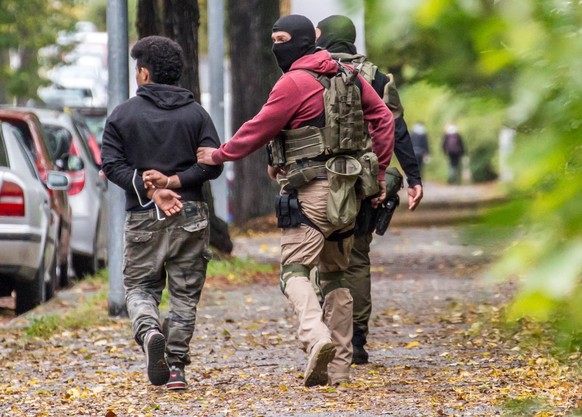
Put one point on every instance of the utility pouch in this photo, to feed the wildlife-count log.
(342, 202)
(394, 181)
(368, 180)
(276, 153)
(287, 211)
(303, 172)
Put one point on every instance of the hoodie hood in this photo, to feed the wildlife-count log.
(320, 62)
(166, 96)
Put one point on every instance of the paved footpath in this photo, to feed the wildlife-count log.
(420, 276)
(247, 361)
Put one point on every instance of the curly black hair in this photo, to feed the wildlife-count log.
(162, 56)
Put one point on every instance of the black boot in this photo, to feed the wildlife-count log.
(360, 356)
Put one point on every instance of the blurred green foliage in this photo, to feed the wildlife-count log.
(514, 63)
(96, 11)
(26, 27)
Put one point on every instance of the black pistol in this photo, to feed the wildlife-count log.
(385, 211)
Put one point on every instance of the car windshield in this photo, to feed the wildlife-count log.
(22, 132)
(96, 125)
(3, 156)
(59, 141)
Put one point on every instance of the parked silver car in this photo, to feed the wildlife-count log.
(28, 225)
(87, 194)
(31, 133)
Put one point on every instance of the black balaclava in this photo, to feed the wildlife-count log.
(302, 40)
(338, 34)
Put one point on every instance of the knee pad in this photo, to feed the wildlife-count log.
(330, 281)
(292, 270)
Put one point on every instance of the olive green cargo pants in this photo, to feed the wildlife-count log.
(358, 281)
(178, 245)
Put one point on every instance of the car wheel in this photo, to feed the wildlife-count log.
(30, 294)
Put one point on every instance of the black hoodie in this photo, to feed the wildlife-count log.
(161, 128)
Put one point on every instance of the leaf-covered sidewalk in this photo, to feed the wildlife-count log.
(436, 347)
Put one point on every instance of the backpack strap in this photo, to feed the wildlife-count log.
(323, 79)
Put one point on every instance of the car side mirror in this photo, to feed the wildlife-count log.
(57, 181)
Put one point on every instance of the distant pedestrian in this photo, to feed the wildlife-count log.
(419, 139)
(149, 150)
(454, 149)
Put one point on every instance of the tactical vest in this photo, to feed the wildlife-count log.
(366, 68)
(304, 151)
(368, 71)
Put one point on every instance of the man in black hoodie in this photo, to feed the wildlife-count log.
(337, 35)
(149, 150)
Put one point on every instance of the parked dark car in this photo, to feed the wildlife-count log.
(29, 227)
(31, 133)
(68, 134)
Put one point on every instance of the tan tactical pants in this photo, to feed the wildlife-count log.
(305, 247)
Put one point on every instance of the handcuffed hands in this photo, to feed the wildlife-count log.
(168, 201)
(155, 179)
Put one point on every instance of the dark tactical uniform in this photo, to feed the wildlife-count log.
(338, 36)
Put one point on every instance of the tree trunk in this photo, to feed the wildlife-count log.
(4, 66)
(147, 22)
(254, 73)
(180, 20)
(167, 19)
(28, 65)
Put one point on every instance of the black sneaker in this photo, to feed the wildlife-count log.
(177, 379)
(360, 356)
(154, 346)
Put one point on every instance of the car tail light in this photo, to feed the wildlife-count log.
(42, 172)
(77, 181)
(95, 150)
(77, 178)
(74, 150)
(11, 200)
